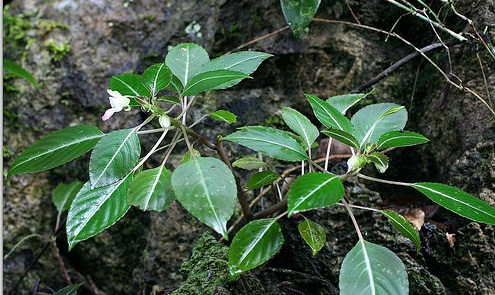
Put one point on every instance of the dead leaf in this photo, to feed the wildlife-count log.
(450, 239)
(416, 216)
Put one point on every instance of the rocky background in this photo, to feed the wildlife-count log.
(73, 48)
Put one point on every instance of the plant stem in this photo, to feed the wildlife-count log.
(158, 142)
(272, 209)
(414, 11)
(240, 194)
(353, 218)
(383, 180)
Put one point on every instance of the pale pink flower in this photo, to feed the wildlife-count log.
(118, 103)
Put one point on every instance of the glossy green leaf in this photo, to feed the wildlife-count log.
(372, 269)
(254, 244)
(207, 189)
(113, 157)
(224, 116)
(313, 234)
(12, 67)
(94, 210)
(260, 179)
(249, 163)
(185, 59)
(313, 191)
(403, 226)
(156, 77)
(151, 189)
(56, 148)
(380, 160)
(269, 141)
(187, 156)
(343, 102)
(175, 85)
(300, 125)
(245, 62)
(328, 115)
(457, 201)
(63, 194)
(169, 99)
(211, 80)
(342, 136)
(129, 84)
(372, 121)
(400, 139)
(299, 13)
(69, 290)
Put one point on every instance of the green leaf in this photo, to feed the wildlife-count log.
(372, 121)
(245, 62)
(63, 194)
(313, 191)
(261, 179)
(175, 85)
(187, 156)
(156, 77)
(210, 80)
(113, 157)
(269, 141)
(224, 116)
(301, 125)
(328, 115)
(56, 148)
(403, 226)
(457, 201)
(299, 13)
(313, 234)
(343, 102)
(342, 136)
(169, 99)
(152, 189)
(94, 210)
(249, 163)
(254, 244)
(69, 290)
(10, 66)
(207, 189)
(380, 160)
(400, 139)
(185, 59)
(129, 84)
(372, 269)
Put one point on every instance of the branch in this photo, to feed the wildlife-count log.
(399, 64)
(246, 212)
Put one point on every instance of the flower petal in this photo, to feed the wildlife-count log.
(109, 113)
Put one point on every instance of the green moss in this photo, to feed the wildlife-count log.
(58, 49)
(206, 269)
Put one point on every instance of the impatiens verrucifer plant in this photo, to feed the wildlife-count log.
(206, 185)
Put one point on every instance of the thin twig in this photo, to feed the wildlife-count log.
(395, 66)
(415, 12)
(259, 39)
(446, 76)
(61, 264)
(352, 12)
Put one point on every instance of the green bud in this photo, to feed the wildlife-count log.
(164, 121)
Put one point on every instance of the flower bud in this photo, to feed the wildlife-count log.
(356, 162)
(164, 121)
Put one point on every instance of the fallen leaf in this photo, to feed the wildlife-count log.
(416, 216)
(450, 239)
